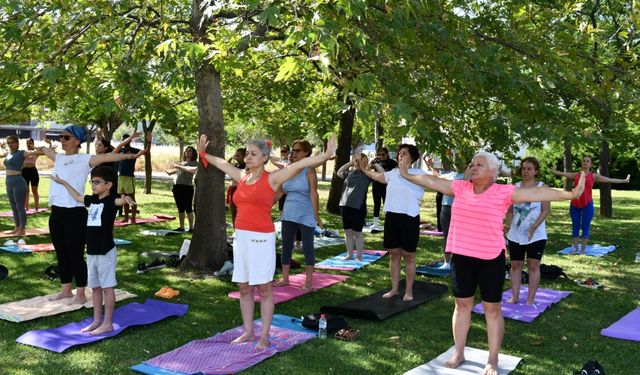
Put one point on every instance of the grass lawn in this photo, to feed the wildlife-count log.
(559, 341)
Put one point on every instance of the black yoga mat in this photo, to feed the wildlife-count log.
(374, 307)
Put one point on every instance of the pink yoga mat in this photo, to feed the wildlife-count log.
(29, 232)
(294, 289)
(29, 212)
(156, 218)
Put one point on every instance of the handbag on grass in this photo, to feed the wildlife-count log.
(334, 322)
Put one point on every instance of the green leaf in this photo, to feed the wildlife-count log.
(288, 68)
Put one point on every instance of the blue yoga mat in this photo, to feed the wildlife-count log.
(133, 314)
(433, 270)
(15, 249)
(592, 250)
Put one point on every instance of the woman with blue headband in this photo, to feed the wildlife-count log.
(68, 219)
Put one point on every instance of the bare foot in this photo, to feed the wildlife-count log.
(102, 329)
(407, 297)
(389, 294)
(78, 299)
(263, 343)
(281, 282)
(583, 252)
(243, 338)
(512, 300)
(125, 220)
(307, 287)
(61, 295)
(20, 233)
(91, 326)
(574, 251)
(455, 360)
(489, 369)
(530, 302)
(359, 259)
(133, 221)
(350, 257)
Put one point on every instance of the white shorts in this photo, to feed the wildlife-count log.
(254, 257)
(102, 270)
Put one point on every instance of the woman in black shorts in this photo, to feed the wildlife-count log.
(353, 204)
(527, 233)
(31, 176)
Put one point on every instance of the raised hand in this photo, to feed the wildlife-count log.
(331, 146)
(202, 143)
(577, 191)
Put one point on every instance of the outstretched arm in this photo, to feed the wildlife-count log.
(185, 168)
(125, 200)
(277, 178)
(119, 147)
(609, 180)
(218, 162)
(378, 175)
(544, 193)
(110, 158)
(425, 180)
(49, 152)
(562, 174)
(73, 192)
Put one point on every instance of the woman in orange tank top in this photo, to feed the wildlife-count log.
(254, 243)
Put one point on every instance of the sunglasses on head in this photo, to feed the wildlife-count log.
(66, 137)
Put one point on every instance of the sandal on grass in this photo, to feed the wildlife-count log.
(348, 334)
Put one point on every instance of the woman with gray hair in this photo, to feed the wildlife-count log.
(254, 245)
(476, 240)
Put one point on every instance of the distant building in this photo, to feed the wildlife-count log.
(38, 130)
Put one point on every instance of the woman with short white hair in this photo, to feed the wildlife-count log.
(476, 239)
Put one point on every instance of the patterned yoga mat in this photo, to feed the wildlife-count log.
(216, 355)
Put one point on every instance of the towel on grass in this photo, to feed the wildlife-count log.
(38, 307)
(339, 263)
(592, 250)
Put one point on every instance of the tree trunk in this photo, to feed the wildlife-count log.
(379, 132)
(147, 127)
(606, 205)
(343, 155)
(568, 165)
(208, 244)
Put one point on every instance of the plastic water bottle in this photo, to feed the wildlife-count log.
(322, 327)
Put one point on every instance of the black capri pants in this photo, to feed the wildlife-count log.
(183, 195)
(68, 234)
(467, 273)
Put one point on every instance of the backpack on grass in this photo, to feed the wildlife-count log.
(551, 272)
(592, 367)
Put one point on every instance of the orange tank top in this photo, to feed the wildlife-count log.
(254, 204)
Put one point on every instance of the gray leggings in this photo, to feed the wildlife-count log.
(289, 229)
(17, 191)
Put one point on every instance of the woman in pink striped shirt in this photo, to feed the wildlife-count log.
(476, 240)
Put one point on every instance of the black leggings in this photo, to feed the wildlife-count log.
(379, 191)
(438, 210)
(183, 195)
(68, 234)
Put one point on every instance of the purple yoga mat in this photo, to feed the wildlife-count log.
(523, 312)
(294, 289)
(216, 355)
(627, 328)
(133, 314)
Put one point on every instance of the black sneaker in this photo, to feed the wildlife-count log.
(190, 230)
(179, 230)
(142, 267)
(157, 263)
